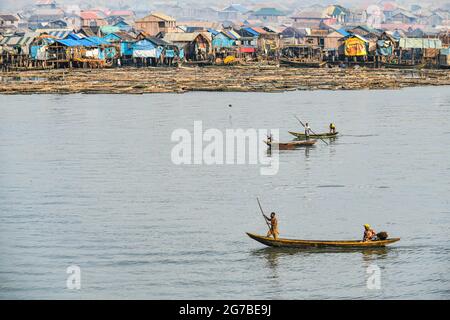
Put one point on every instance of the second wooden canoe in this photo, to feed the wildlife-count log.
(301, 135)
(311, 244)
(291, 145)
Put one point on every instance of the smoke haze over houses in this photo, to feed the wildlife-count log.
(142, 4)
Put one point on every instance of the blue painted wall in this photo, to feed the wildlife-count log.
(143, 45)
(222, 41)
(126, 48)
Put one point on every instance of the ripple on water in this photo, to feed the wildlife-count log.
(88, 180)
(331, 186)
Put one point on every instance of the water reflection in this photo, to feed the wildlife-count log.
(273, 255)
(306, 149)
(369, 255)
(306, 152)
(332, 140)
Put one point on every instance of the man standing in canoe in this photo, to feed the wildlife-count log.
(332, 128)
(369, 234)
(307, 130)
(273, 231)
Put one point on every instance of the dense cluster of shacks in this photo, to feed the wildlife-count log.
(49, 36)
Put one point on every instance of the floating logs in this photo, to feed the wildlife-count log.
(214, 78)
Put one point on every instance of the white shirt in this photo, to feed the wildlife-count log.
(307, 129)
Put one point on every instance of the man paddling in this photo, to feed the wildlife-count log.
(369, 234)
(307, 130)
(273, 231)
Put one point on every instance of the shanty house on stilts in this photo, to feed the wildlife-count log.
(225, 43)
(145, 53)
(39, 50)
(72, 52)
(195, 46)
(151, 51)
(419, 51)
(125, 43)
(355, 48)
(169, 52)
(14, 51)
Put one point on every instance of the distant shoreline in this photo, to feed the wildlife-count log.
(216, 79)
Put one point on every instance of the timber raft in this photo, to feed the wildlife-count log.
(225, 79)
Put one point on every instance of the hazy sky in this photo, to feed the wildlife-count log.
(6, 5)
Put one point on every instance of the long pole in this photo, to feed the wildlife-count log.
(310, 129)
(262, 211)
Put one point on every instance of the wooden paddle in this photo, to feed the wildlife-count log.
(262, 211)
(310, 129)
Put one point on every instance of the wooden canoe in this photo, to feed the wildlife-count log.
(302, 64)
(201, 63)
(290, 145)
(404, 66)
(301, 135)
(311, 244)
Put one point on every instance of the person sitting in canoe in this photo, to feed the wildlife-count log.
(332, 128)
(307, 131)
(369, 234)
(273, 231)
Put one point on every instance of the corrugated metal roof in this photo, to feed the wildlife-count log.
(18, 40)
(158, 41)
(8, 17)
(162, 16)
(86, 42)
(89, 15)
(57, 33)
(269, 12)
(420, 43)
(69, 42)
(231, 34)
(260, 30)
(60, 34)
(122, 36)
(49, 12)
(180, 36)
(213, 31)
(89, 31)
(343, 32)
(357, 36)
(109, 29)
(95, 41)
(403, 12)
(274, 29)
(253, 32)
(234, 33)
(236, 8)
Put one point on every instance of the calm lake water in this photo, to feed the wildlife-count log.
(88, 180)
